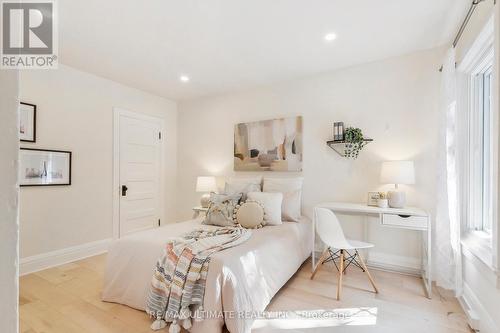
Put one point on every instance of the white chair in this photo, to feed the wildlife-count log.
(330, 231)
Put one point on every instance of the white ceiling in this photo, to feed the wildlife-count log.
(227, 45)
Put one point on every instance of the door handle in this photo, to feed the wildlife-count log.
(124, 190)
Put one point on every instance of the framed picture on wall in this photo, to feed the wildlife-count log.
(27, 122)
(269, 145)
(41, 167)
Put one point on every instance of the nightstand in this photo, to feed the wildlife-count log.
(198, 210)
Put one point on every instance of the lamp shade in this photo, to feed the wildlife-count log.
(206, 184)
(397, 172)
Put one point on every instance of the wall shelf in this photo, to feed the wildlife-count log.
(341, 147)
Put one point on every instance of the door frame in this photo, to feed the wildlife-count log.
(117, 112)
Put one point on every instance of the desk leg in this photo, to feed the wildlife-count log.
(427, 273)
(429, 258)
(366, 236)
(313, 254)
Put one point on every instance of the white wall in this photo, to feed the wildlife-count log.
(75, 112)
(9, 227)
(394, 101)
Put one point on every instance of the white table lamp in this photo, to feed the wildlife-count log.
(397, 172)
(205, 185)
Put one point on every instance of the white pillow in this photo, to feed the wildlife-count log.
(292, 195)
(272, 205)
(243, 185)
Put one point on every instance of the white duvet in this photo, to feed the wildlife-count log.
(240, 280)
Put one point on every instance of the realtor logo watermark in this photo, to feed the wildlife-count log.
(29, 34)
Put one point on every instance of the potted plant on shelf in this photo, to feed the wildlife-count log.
(354, 142)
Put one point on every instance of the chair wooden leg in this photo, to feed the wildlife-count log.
(320, 262)
(341, 273)
(367, 272)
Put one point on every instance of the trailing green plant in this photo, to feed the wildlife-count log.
(354, 142)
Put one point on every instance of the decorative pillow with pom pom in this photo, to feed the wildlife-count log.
(221, 209)
(250, 215)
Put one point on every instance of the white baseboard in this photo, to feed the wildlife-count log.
(472, 316)
(60, 257)
(394, 263)
(391, 263)
(477, 316)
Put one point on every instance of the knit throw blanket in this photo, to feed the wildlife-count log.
(178, 284)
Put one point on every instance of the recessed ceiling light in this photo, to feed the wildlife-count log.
(330, 37)
(184, 78)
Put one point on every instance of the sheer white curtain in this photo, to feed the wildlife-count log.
(447, 263)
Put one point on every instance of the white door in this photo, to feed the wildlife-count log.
(139, 172)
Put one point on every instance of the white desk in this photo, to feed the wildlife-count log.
(403, 218)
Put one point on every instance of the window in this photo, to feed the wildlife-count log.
(480, 144)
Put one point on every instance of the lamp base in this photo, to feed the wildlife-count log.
(397, 199)
(205, 200)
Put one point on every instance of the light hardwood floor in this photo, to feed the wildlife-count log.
(66, 299)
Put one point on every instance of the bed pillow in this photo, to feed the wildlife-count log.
(250, 215)
(221, 209)
(292, 196)
(271, 201)
(243, 185)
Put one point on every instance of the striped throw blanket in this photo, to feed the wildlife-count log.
(178, 283)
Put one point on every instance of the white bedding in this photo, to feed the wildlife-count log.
(242, 278)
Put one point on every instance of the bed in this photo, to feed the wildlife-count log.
(240, 280)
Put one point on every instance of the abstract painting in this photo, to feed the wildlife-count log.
(269, 145)
(38, 167)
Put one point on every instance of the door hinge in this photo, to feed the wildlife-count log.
(159, 135)
(159, 223)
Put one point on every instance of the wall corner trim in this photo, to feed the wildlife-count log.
(60, 257)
